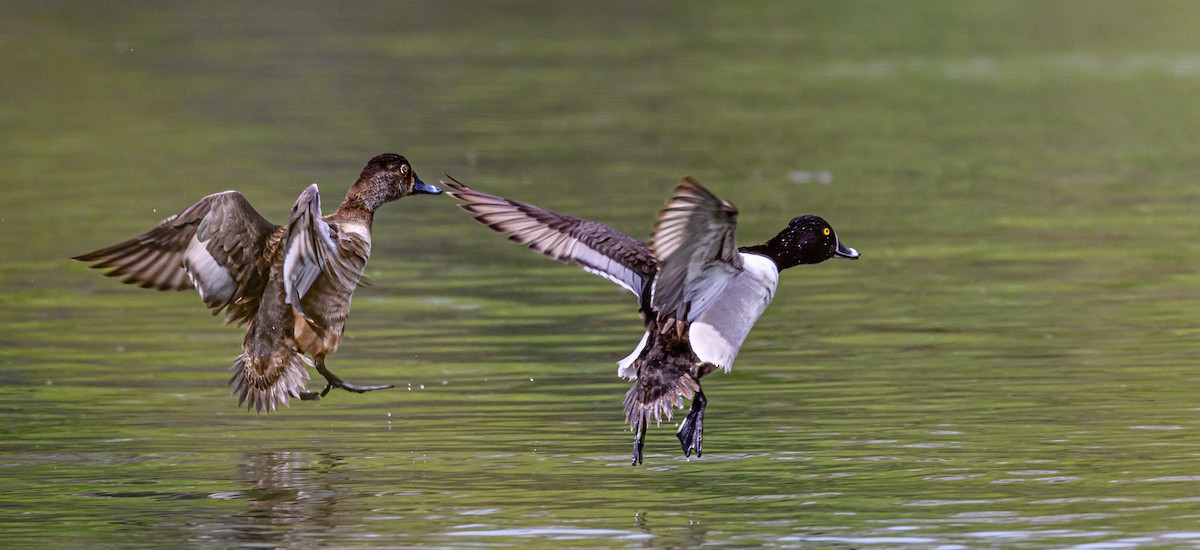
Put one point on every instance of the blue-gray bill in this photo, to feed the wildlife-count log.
(422, 187)
(844, 251)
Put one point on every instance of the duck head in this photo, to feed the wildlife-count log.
(386, 178)
(806, 240)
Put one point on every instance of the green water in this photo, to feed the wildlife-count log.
(1013, 363)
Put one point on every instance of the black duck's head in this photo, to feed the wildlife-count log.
(806, 240)
(388, 177)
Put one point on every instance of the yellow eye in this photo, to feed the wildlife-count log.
(404, 169)
(825, 231)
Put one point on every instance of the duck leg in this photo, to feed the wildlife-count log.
(691, 431)
(639, 438)
(335, 381)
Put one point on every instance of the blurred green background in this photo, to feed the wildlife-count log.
(1012, 362)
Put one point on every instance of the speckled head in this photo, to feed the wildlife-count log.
(806, 240)
(388, 177)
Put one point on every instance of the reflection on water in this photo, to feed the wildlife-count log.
(287, 495)
(692, 535)
(1014, 365)
(1091, 64)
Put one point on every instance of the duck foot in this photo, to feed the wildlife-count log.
(639, 439)
(691, 431)
(335, 381)
(353, 387)
(306, 395)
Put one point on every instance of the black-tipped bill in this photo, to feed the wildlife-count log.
(422, 187)
(843, 251)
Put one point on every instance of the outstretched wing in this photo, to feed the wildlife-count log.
(215, 246)
(694, 245)
(310, 252)
(596, 247)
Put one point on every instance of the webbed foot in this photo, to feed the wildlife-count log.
(353, 387)
(639, 439)
(335, 381)
(691, 431)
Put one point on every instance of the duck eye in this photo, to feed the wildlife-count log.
(404, 169)
(825, 231)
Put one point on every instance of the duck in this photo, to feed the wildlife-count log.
(291, 283)
(698, 293)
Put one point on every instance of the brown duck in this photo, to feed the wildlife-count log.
(699, 293)
(292, 282)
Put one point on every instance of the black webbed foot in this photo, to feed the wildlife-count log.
(335, 381)
(354, 387)
(306, 395)
(691, 431)
(639, 439)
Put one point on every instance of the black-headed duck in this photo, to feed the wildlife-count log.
(292, 282)
(699, 294)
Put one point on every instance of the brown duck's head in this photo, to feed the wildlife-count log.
(388, 177)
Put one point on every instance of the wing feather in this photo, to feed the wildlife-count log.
(215, 246)
(308, 249)
(595, 247)
(694, 244)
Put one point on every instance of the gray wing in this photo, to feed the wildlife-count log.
(596, 247)
(694, 245)
(215, 246)
(310, 251)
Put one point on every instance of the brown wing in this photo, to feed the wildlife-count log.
(216, 246)
(596, 247)
(694, 244)
(322, 261)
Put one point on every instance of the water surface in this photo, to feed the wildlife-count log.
(1011, 364)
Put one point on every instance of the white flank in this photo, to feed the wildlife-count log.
(717, 334)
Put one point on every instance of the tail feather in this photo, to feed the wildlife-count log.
(655, 396)
(265, 382)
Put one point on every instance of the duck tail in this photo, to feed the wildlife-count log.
(656, 393)
(263, 382)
